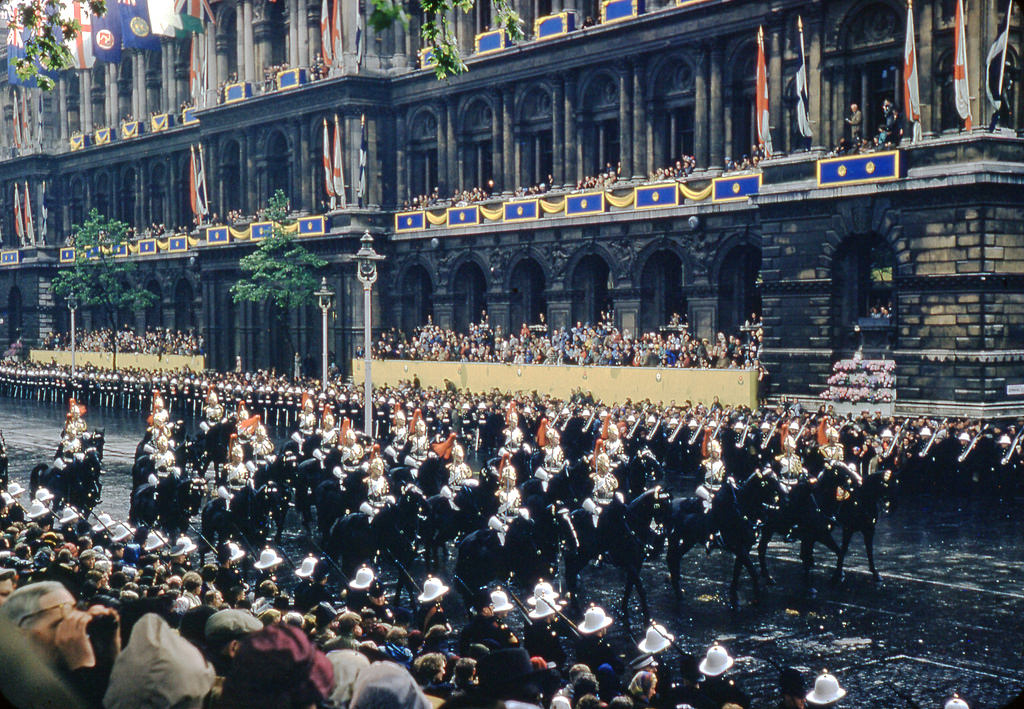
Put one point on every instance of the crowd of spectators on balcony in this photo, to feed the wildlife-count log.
(157, 341)
(600, 343)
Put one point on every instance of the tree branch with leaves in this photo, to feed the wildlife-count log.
(52, 26)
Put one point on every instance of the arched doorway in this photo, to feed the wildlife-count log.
(526, 294)
(862, 287)
(661, 290)
(590, 289)
(469, 289)
(738, 295)
(278, 165)
(14, 314)
(417, 299)
(184, 305)
(155, 312)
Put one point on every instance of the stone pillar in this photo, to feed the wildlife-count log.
(625, 124)
(295, 22)
(558, 133)
(305, 167)
(221, 73)
(924, 24)
(700, 109)
(508, 178)
(62, 88)
(85, 101)
(779, 131)
(571, 139)
(313, 47)
(453, 146)
(716, 119)
(142, 113)
(641, 154)
(261, 58)
(112, 97)
(400, 167)
(249, 159)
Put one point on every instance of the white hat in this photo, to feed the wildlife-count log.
(235, 552)
(887, 433)
(545, 607)
(268, 560)
(44, 495)
(363, 580)
(37, 510)
(826, 691)
(1004, 440)
(499, 601)
(103, 521)
(542, 590)
(433, 589)
(593, 620)
(8, 500)
(956, 702)
(964, 437)
(716, 661)
(67, 516)
(496, 524)
(307, 567)
(794, 426)
(153, 542)
(184, 545)
(656, 640)
(926, 432)
(121, 532)
(15, 489)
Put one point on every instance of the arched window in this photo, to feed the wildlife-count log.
(741, 96)
(125, 83)
(475, 145)
(673, 114)
(600, 125)
(423, 161)
(14, 314)
(278, 165)
(535, 138)
(470, 291)
(231, 176)
(277, 30)
(155, 312)
(417, 299)
(527, 304)
(227, 37)
(874, 61)
(590, 285)
(126, 197)
(863, 283)
(739, 297)
(661, 290)
(101, 197)
(184, 305)
(98, 98)
(158, 186)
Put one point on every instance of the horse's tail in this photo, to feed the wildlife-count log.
(34, 476)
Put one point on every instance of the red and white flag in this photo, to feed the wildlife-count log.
(764, 136)
(81, 46)
(197, 183)
(19, 226)
(197, 71)
(30, 230)
(911, 94)
(328, 171)
(338, 38)
(326, 39)
(338, 165)
(16, 122)
(962, 90)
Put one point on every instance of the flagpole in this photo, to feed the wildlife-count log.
(1006, 44)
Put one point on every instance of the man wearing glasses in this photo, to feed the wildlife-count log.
(47, 613)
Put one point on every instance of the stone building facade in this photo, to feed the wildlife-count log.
(943, 244)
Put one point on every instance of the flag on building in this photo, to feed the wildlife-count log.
(802, 99)
(764, 136)
(26, 135)
(198, 69)
(15, 51)
(18, 138)
(194, 14)
(30, 232)
(43, 213)
(338, 166)
(960, 85)
(326, 40)
(360, 34)
(361, 187)
(197, 183)
(164, 20)
(136, 28)
(106, 35)
(19, 224)
(81, 46)
(995, 64)
(911, 94)
(328, 170)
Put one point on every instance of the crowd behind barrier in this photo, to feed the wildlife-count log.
(157, 341)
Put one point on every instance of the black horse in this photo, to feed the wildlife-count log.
(214, 449)
(856, 508)
(76, 482)
(447, 520)
(690, 525)
(240, 519)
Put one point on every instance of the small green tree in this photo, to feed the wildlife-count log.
(98, 278)
(280, 271)
(53, 27)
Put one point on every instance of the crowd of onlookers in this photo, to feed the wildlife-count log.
(158, 341)
(600, 343)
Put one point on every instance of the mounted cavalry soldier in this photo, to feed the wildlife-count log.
(714, 474)
(213, 410)
(328, 433)
(613, 446)
(377, 488)
(791, 465)
(459, 472)
(74, 424)
(262, 446)
(419, 442)
(159, 417)
(507, 494)
(399, 431)
(307, 420)
(548, 439)
(163, 457)
(239, 472)
(352, 451)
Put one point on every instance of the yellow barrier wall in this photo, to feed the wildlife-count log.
(105, 360)
(733, 387)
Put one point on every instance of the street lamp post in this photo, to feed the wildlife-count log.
(366, 271)
(72, 306)
(324, 297)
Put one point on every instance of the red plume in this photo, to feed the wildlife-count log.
(305, 398)
(503, 464)
(417, 415)
(444, 448)
(251, 422)
(345, 426)
(604, 426)
(326, 410)
(706, 442)
(509, 411)
(542, 433)
(598, 450)
(823, 432)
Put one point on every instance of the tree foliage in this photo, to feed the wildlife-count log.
(437, 31)
(52, 25)
(280, 270)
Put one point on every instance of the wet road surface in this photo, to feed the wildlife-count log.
(949, 615)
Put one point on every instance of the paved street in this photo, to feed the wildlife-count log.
(948, 617)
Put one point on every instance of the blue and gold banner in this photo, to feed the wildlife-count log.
(586, 203)
(120, 250)
(616, 10)
(410, 221)
(93, 252)
(67, 255)
(147, 246)
(859, 169)
(526, 210)
(130, 129)
(260, 230)
(427, 60)
(463, 216)
(556, 25)
(177, 243)
(492, 41)
(10, 258)
(238, 91)
(101, 136)
(77, 142)
(159, 122)
(290, 78)
(728, 189)
(217, 235)
(312, 226)
(654, 196)
(188, 117)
